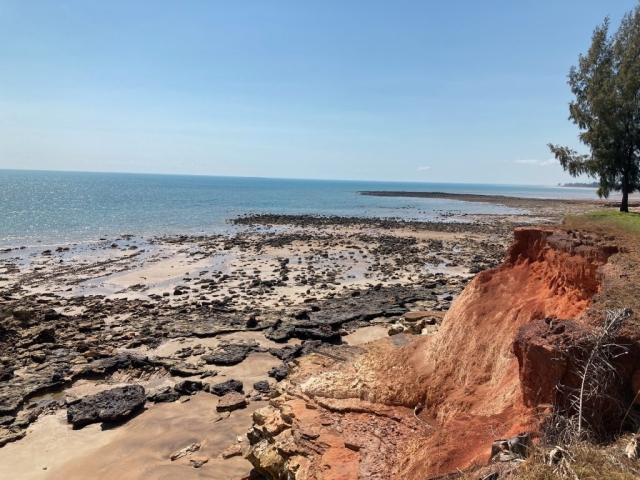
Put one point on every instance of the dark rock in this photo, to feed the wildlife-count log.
(109, 365)
(280, 333)
(288, 353)
(223, 388)
(279, 373)
(46, 335)
(324, 333)
(51, 315)
(230, 354)
(395, 311)
(262, 386)
(22, 315)
(111, 405)
(188, 387)
(6, 374)
(166, 397)
(251, 323)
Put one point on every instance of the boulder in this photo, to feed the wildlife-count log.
(231, 401)
(185, 369)
(518, 447)
(106, 366)
(108, 406)
(22, 315)
(230, 354)
(188, 387)
(166, 397)
(262, 386)
(279, 373)
(46, 335)
(224, 388)
(280, 333)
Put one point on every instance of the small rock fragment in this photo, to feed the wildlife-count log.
(198, 462)
(188, 450)
(232, 451)
(631, 450)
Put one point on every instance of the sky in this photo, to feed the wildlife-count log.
(429, 91)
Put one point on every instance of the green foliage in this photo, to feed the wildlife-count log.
(627, 222)
(606, 85)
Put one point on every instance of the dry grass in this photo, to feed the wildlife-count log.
(582, 461)
(585, 461)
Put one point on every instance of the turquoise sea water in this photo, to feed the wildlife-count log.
(60, 207)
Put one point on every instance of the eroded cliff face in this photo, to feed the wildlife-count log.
(351, 412)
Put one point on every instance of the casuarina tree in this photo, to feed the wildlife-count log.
(606, 85)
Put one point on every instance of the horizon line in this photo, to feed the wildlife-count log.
(276, 178)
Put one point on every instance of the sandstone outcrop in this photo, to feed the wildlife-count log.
(413, 407)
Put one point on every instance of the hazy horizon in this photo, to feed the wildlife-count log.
(572, 180)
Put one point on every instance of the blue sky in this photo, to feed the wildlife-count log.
(434, 91)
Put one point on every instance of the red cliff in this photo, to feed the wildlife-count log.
(482, 376)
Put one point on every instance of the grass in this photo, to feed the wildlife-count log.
(583, 461)
(587, 462)
(622, 222)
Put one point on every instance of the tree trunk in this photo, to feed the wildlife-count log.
(624, 205)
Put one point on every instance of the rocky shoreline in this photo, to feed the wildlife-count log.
(218, 316)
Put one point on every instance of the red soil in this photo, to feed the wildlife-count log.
(473, 386)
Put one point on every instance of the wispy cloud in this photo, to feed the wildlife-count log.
(423, 169)
(540, 163)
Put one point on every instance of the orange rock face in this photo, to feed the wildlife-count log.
(353, 414)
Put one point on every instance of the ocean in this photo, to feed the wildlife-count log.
(50, 208)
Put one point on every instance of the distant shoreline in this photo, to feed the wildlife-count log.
(533, 204)
(582, 185)
(475, 197)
